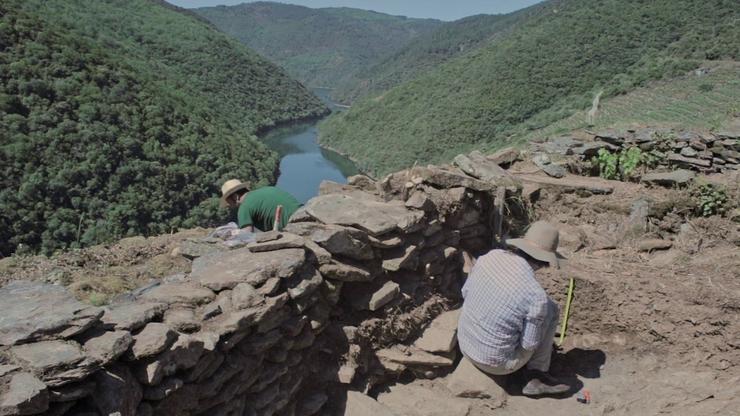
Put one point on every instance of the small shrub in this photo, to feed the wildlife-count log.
(623, 165)
(710, 200)
(706, 87)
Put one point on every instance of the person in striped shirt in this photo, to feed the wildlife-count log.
(507, 320)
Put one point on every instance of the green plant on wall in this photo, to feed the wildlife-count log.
(623, 165)
(710, 200)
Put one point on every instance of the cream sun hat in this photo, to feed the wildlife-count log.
(229, 187)
(540, 242)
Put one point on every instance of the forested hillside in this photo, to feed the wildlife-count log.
(121, 118)
(319, 47)
(543, 70)
(429, 50)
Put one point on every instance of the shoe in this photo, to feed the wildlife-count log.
(543, 384)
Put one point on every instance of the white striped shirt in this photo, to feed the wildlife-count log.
(504, 309)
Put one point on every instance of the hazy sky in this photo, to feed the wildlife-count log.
(438, 9)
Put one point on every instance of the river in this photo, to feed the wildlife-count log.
(303, 163)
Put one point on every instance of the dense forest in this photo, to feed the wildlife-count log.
(122, 118)
(319, 47)
(544, 69)
(427, 51)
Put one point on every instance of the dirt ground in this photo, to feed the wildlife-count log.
(650, 332)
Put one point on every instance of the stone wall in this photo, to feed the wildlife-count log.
(341, 299)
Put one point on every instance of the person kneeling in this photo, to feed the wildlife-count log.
(507, 319)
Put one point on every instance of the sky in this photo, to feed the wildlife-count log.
(437, 9)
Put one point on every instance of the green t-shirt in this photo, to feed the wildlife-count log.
(258, 208)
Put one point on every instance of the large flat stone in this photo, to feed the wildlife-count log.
(441, 334)
(412, 357)
(468, 381)
(132, 316)
(24, 395)
(153, 339)
(108, 345)
(676, 177)
(185, 292)
(412, 400)
(376, 218)
(365, 299)
(226, 270)
(339, 240)
(571, 183)
(346, 272)
(48, 356)
(478, 166)
(283, 241)
(359, 404)
(35, 311)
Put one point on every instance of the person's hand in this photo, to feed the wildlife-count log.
(468, 262)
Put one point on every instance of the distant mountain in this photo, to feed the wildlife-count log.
(122, 117)
(426, 51)
(546, 68)
(319, 47)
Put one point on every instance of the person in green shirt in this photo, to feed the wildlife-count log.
(257, 208)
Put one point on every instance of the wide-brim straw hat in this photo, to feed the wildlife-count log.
(541, 243)
(228, 189)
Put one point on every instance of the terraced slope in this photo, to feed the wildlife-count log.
(544, 70)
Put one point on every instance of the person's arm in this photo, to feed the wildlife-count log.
(534, 325)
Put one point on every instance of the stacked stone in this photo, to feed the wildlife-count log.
(253, 330)
(704, 152)
(671, 150)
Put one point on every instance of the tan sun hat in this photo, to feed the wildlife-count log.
(229, 187)
(540, 242)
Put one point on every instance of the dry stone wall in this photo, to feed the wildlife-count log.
(341, 299)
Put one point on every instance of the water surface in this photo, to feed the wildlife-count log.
(303, 163)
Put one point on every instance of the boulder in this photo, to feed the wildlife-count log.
(363, 182)
(447, 178)
(336, 239)
(132, 316)
(413, 400)
(544, 162)
(153, 339)
(441, 334)
(468, 381)
(185, 292)
(35, 311)
(24, 395)
(359, 404)
(183, 319)
(376, 218)
(674, 178)
(505, 157)
(612, 136)
(106, 346)
(226, 270)
(480, 167)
